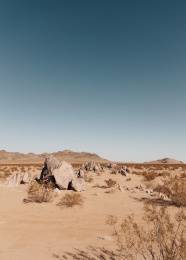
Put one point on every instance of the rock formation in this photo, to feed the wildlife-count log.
(62, 174)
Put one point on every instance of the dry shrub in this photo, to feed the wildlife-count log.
(113, 172)
(128, 179)
(88, 178)
(175, 189)
(110, 183)
(71, 200)
(150, 175)
(5, 173)
(159, 239)
(40, 192)
(14, 168)
(110, 191)
(22, 169)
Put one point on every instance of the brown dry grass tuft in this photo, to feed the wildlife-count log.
(175, 189)
(71, 200)
(110, 183)
(87, 177)
(160, 239)
(40, 192)
(113, 172)
(4, 173)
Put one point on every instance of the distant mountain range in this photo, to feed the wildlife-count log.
(66, 155)
(166, 161)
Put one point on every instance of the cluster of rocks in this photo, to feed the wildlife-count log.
(124, 171)
(19, 178)
(111, 166)
(92, 166)
(62, 174)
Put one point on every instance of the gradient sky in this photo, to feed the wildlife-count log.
(107, 77)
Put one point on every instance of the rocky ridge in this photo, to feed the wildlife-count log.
(66, 155)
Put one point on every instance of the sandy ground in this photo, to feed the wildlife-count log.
(46, 231)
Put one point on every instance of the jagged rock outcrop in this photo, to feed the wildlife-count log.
(19, 178)
(78, 184)
(124, 171)
(62, 174)
(51, 163)
(111, 166)
(92, 166)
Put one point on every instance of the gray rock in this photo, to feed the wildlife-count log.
(92, 166)
(51, 163)
(123, 172)
(26, 178)
(111, 166)
(80, 173)
(15, 180)
(79, 184)
(63, 175)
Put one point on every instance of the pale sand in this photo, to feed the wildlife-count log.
(37, 231)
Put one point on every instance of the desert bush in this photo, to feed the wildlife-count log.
(110, 183)
(22, 169)
(150, 175)
(174, 188)
(88, 177)
(14, 168)
(159, 239)
(128, 179)
(113, 172)
(71, 200)
(40, 192)
(4, 175)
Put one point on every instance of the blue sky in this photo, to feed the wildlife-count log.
(107, 77)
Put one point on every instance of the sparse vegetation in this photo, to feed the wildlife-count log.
(175, 189)
(128, 179)
(110, 183)
(40, 192)
(88, 177)
(160, 239)
(71, 200)
(4, 175)
(113, 172)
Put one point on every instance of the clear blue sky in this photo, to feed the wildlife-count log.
(107, 77)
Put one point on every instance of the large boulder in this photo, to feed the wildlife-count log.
(63, 175)
(51, 163)
(78, 184)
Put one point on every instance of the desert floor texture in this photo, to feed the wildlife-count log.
(47, 231)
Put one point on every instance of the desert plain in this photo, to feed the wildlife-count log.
(45, 231)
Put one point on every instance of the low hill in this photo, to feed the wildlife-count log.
(166, 161)
(66, 155)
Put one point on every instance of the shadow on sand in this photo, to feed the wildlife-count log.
(92, 253)
(159, 202)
